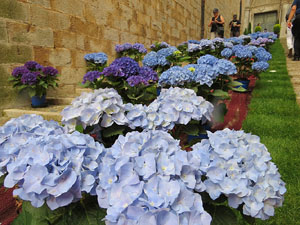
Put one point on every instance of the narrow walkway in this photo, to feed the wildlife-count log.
(293, 68)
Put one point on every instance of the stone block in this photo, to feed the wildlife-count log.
(44, 3)
(59, 21)
(15, 53)
(60, 57)
(71, 7)
(4, 75)
(83, 27)
(71, 75)
(65, 39)
(3, 31)
(80, 41)
(10, 97)
(41, 55)
(18, 32)
(42, 37)
(39, 16)
(78, 59)
(13, 9)
(111, 34)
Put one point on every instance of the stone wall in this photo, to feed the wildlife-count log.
(60, 32)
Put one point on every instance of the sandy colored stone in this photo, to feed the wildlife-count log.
(44, 3)
(41, 55)
(60, 57)
(65, 39)
(72, 7)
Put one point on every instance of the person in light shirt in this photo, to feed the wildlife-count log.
(296, 28)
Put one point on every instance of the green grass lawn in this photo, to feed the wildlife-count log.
(275, 116)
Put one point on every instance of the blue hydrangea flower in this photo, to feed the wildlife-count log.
(237, 165)
(19, 131)
(205, 74)
(89, 108)
(225, 67)
(163, 53)
(242, 52)
(150, 59)
(260, 66)
(207, 59)
(98, 58)
(55, 169)
(150, 188)
(175, 76)
(262, 55)
(227, 53)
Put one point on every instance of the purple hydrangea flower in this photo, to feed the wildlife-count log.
(91, 76)
(32, 65)
(122, 67)
(136, 80)
(30, 78)
(19, 71)
(140, 48)
(49, 71)
(148, 73)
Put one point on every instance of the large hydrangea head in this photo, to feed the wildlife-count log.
(242, 52)
(225, 67)
(19, 71)
(173, 106)
(150, 59)
(145, 178)
(263, 55)
(122, 67)
(102, 105)
(260, 66)
(30, 78)
(205, 74)
(33, 66)
(163, 53)
(146, 76)
(175, 76)
(207, 59)
(227, 53)
(98, 58)
(18, 132)
(50, 71)
(55, 169)
(239, 166)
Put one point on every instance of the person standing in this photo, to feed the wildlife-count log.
(296, 28)
(217, 25)
(235, 26)
(289, 35)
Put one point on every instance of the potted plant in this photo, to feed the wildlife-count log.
(36, 79)
(276, 29)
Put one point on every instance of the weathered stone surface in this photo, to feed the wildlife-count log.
(72, 7)
(3, 31)
(65, 39)
(15, 53)
(14, 10)
(44, 3)
(60, 57)
(41, 55)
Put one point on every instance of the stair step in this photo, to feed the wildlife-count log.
(48, 113)
(80, 90)
(59, 101)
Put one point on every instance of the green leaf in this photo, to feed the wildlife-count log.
(223, 215)
(192, 129)
(220, 93)
(2, 180)
(113, 130)
(79, 128)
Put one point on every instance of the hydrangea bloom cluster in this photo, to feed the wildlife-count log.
(55, 169)
(263, 55)
(33, 66)
(225, 67)
(91, 76)
(122, 67)
(175, 76)
(242, 52)
(159, 45)
(173, 106)
(145, 178)
(153, 59)
(146, 76)
(97, 58)
(269, 35)
(19, 131)
(30, 78)
(260, 66)
(49, 71)
(238, 166)
(89, 108)
(200, 45)
(235, 40)
(127, 47)
(19, 71)
(227, 53)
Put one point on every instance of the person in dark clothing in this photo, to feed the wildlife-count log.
(217, 25)
(295, 28)
(235, 26)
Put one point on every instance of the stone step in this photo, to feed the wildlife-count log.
(80, 90)
(59, 101)
(48, 113)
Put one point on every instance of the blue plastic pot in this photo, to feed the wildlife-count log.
(37, 101)
(245, 84)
